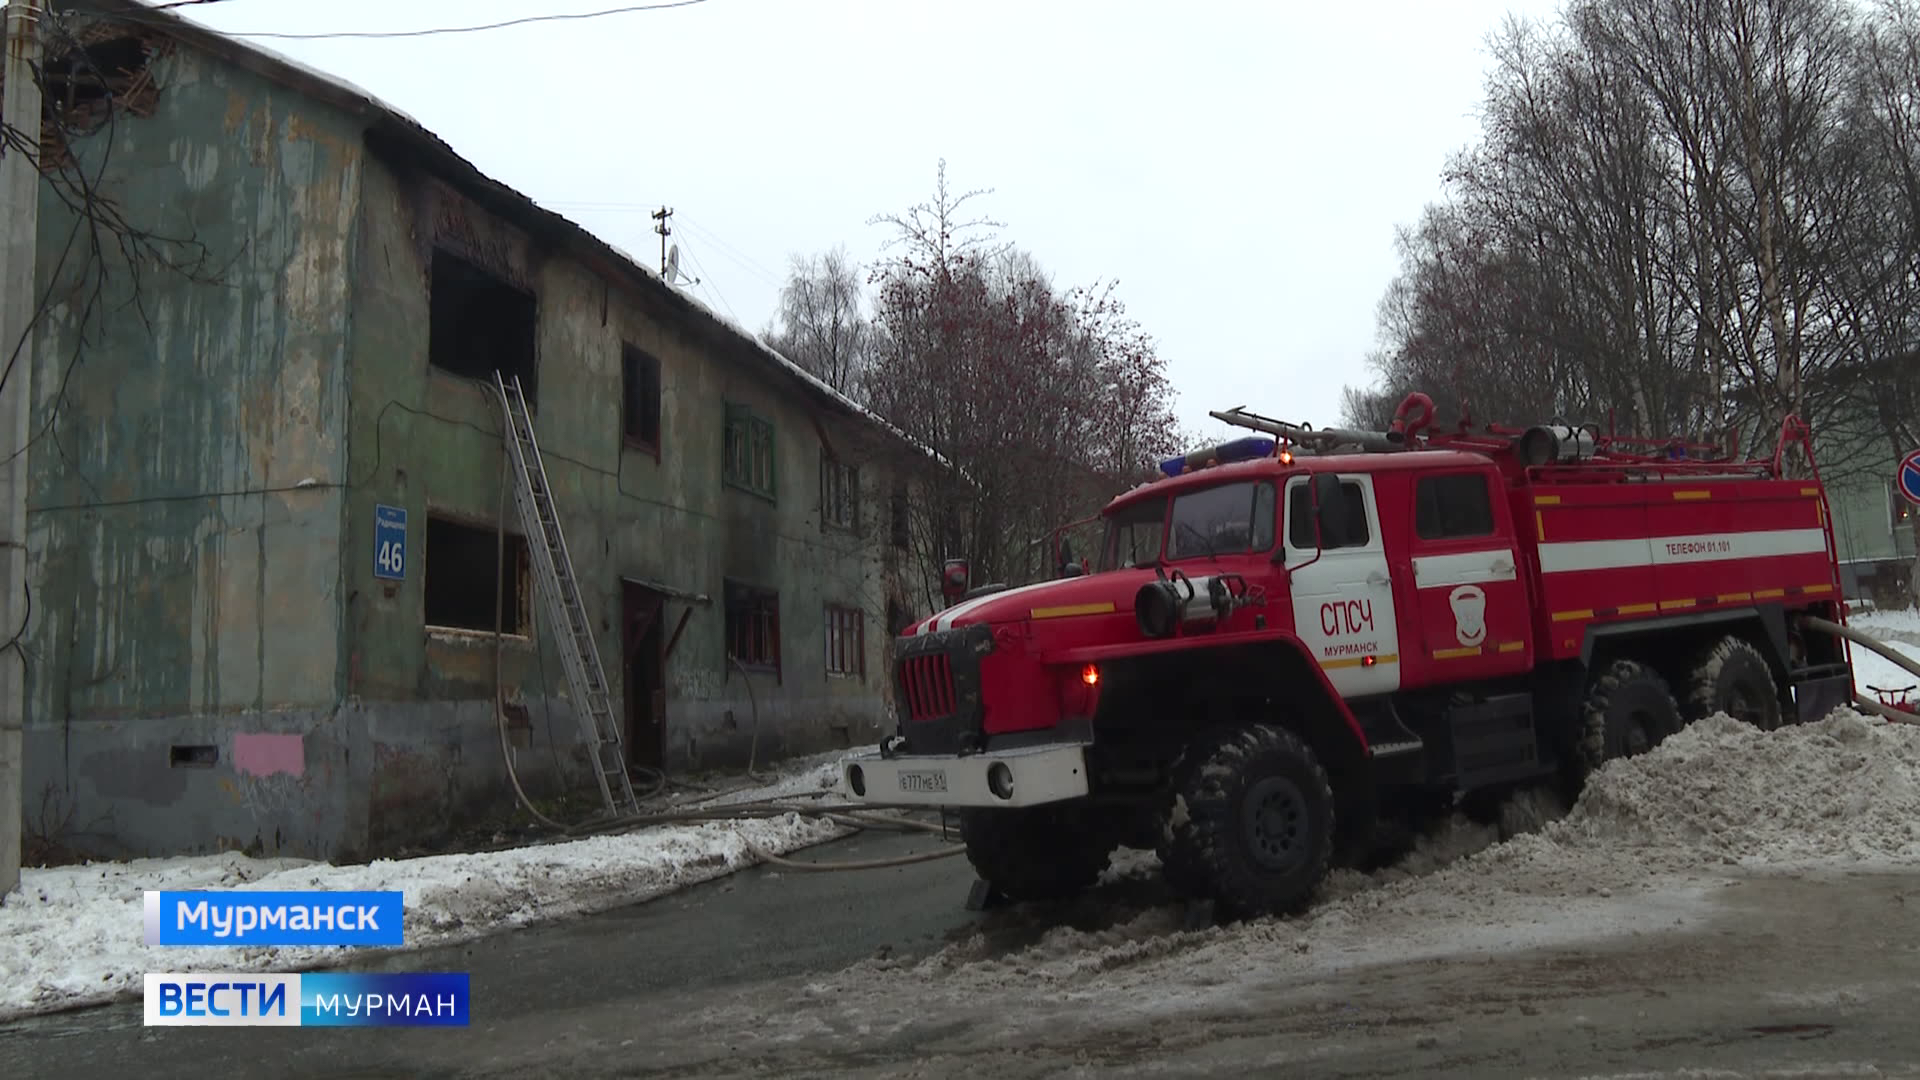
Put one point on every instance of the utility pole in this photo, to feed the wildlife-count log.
(19, 224)
(661, 215)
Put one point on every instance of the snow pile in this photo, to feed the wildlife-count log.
(73, 935)
(1846, 787)
(1649, 837)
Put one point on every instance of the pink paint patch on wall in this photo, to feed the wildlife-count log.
(265, 755)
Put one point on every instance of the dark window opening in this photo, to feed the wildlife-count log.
(1300, 531)
(1448, 507)
(839, 491)
(846, 641)
(462, 561)
(902, 534)
(640, 398)
(753, 627)
(479, 324)
(81, 87)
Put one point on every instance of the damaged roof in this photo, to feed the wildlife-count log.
(386, 123)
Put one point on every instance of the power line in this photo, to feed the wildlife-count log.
(714, 289)
(746, 261)
(629, 9)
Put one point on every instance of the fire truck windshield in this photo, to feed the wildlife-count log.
(1230, 519)
(1227, 519)
(1133, 536)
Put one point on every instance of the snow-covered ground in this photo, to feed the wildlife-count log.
(73, 935)
(1901, 631)
(1648, 845)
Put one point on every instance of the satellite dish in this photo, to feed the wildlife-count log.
(672, 272)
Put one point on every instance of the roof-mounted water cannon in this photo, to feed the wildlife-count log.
(1306, 436)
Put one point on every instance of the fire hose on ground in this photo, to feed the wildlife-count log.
(1902, 660)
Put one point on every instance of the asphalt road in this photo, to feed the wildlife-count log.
(528, 985)
(1790, 975)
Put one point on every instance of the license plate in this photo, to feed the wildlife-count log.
(923, 781)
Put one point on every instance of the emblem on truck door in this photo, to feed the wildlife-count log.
(1469, 603)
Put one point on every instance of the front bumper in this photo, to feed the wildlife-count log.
(1029, 776)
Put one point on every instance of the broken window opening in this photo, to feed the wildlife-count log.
(753, 627)
(461, 560)
(81, 86)
(902, 534)
(479, 324)
(640, 398)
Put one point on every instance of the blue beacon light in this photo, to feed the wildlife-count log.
(1253, 446)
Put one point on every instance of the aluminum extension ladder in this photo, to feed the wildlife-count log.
(553, 570)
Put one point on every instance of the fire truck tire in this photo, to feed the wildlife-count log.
(1253, 822)
(1048, 852)
(1629, 710)
(1734, 678)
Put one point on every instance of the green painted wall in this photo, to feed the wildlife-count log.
(160, 595)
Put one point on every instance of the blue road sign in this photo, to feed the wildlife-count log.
(1909, 478)
(389, 542)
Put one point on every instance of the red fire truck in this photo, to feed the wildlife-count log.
(1295, 637)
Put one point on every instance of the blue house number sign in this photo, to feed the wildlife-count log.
(389, 542)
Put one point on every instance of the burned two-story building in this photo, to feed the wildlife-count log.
(272, 608)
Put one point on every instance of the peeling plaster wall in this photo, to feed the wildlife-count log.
(214, 663)
(428, 442)
(187, 591)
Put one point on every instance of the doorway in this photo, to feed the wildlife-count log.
(643, 666)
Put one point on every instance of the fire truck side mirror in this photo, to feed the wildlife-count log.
(953, 580)
(1329, 510)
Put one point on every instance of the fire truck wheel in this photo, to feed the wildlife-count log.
(1045, 852)
(1629, 710)
(1732, 677)
(1253, 821)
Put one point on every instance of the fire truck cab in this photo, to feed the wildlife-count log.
(1288, 641)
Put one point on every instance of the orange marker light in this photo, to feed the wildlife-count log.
(1090, 675)
(1286, 457)
(1368, 661)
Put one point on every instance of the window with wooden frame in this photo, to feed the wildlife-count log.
(753, 627)
(846, 641)
(640, 399)
(749, 451)
(839, 492)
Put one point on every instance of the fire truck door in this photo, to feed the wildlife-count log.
(1343, 600)
(1473, 615)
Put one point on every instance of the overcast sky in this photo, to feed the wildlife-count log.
(1239, 168)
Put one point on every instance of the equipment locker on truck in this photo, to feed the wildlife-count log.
(1292, 637)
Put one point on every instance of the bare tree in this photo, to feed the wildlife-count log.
(1664, 223)
(821, 325)
(1047, 403)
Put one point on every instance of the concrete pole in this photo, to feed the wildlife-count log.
(19, 220)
